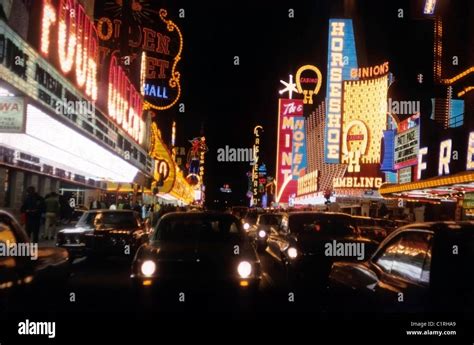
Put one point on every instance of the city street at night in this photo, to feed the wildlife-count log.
(236, 172)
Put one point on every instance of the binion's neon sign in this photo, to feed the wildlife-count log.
(77, 42)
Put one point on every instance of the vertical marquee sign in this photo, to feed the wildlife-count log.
(256, 150)
(289, 148)
(341, 59)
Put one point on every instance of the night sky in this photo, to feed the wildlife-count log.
(230, 100)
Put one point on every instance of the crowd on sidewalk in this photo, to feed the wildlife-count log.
(42, 216)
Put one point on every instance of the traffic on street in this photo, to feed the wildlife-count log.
(186, 172)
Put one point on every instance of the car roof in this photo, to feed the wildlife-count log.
(441, 226)
(106, 210)
(298, 213)
(198, 214)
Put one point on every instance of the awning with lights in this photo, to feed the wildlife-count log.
(435, 188)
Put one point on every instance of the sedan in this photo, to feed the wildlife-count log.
(418, 267)
(104, 232)
(308, 243)
(261, 230)
(200, 249)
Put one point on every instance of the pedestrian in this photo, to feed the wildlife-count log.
(52, 207)
(32, 207)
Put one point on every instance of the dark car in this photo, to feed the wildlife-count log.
(250, 219)
(426, 266)
(260, 231)
(307, 244)
(201, 250)
(29, 267)
(104, 232)
(370, 228)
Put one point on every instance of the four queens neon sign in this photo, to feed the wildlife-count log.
(77, 42)
(77, 49)
(125, 104)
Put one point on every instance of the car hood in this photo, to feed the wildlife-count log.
(172, 251)
(105, 231)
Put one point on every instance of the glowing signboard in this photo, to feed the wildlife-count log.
(308, 183)
(308, 93)
(256, 149)
(125, 103)
(298, 164)
(364, 120)
(341, 59)
(48, 86)
(75, 42)
(453, 153)
(357, 182)
(289, 112)
(406, 148)
(150, 32)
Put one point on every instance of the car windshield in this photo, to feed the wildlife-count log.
(108, 220)
(203, 229)
(270, 219)
(322, 224)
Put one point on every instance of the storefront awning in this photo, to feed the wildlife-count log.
(61, 146)
(440, 187)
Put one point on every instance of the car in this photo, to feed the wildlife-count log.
(260, 231)
(100, 233)
(250, 219)
(419, 267)
(28, 269)
(199, 250)
(370, 228)
(307, 244)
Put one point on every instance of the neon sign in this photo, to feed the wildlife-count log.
(256, 150)
(308, 93)
(125, 104)
(290, 110)
(77, 42)
(341, 59)
(151, 32)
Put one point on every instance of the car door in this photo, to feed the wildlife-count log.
(403, 268)
(13, 269)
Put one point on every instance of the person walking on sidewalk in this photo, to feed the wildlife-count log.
(32, 208)
(52, 207)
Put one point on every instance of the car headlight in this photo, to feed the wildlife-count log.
(246, 226)
(244, 269)
(148, 268)
(292, 252)
(262, 234)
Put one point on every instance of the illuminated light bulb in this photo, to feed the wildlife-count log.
(49, 17)
(82, 52)
(66, 38)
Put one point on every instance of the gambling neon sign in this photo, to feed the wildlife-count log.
(77, 42)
